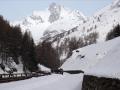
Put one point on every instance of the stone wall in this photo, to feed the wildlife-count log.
(100, 83)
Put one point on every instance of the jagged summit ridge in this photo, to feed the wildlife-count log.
(55, 19)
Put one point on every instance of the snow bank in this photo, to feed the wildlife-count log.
(110, 64)
(43, 68)
(100, 59)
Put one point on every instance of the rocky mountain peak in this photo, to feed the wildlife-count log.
(55, 11)
(54, 8)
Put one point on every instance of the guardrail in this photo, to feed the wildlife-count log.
(19, 76)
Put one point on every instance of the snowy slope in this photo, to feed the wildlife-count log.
(52, 82)
(52, 21)
(100, 59)
(101, 22)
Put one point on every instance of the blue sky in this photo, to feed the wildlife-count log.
(16, 9)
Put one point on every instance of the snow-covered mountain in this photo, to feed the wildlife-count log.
(101, 22)
(50, 22)
(60, 25)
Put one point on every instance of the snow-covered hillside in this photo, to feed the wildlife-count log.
(100, 59)
(52, 21)
(101, 22)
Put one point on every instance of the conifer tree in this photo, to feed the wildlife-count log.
(114, 33)
(47, 55)
(28, 53)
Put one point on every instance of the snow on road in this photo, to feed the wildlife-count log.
(51, 82)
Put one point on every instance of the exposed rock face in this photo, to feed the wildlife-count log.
(100, 83)
(54, 12)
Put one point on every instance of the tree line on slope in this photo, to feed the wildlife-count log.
(113, 33)
(16, 45)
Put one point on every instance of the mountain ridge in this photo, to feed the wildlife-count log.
(55, 18)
